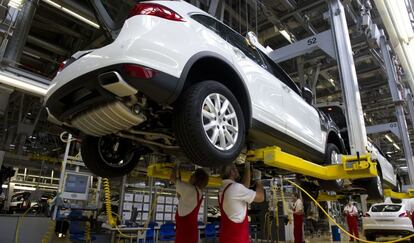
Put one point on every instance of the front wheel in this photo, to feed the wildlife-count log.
(375, 189)
(332, 158)
(209, 124)
(109, 156)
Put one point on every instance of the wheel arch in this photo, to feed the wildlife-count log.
(212, 66)
(334, 138)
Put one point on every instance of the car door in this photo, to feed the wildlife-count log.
(302, 120)
(386, 167)
(265, 90)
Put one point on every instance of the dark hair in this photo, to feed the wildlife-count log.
(225, 171)
(201, 178)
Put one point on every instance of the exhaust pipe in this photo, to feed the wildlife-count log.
(114, 83)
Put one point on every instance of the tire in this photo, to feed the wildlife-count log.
(370, 237)
(332, 185)
(201, 146)
(375, 187)
(100, 160)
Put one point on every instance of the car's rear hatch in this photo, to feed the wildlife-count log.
(387, 212)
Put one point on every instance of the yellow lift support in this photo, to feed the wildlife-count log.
(352, 167)
(399, 195)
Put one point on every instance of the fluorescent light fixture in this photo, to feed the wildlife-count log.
(15, 3)
(71, 13)
(286, 35)
(388, 138)
(23, 84)
(25, 188)
(396, 146)
(4, 186)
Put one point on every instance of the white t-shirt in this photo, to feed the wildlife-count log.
(298, 206)
(352, 210)
(235, 201)
(188, 197)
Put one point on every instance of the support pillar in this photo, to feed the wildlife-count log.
(399, 108)
(17, 41)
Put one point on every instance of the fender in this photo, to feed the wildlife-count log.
(187, 67)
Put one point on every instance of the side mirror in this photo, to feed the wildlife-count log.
(252, 39)
(307, 95)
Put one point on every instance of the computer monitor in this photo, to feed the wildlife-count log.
(76, 185)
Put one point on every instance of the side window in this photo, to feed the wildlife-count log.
(240, 42)
(210, 23)
(279, 73)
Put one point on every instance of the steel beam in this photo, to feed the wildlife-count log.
(349, 82)
(398, 100)
(17, 41)
(392, 127)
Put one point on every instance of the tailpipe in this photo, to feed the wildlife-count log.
(114, 83)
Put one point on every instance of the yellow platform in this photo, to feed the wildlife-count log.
(399, 195)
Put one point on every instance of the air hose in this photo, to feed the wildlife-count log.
(107, 192)
(339, 226)
(49, 232)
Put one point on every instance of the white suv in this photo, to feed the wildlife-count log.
(178, 83)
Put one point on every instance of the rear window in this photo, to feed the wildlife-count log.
(386, 208)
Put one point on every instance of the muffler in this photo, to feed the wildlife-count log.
(114, 83)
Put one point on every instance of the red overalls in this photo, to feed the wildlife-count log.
(231, 232)
(186, 230)
(297, 226)
(352, 221)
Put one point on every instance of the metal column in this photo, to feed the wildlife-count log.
(399, 109)
(350, 90)
(64, 162)
(410, 104)
(17, 41)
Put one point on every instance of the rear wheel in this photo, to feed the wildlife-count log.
(209, 124)
(375, 189)
(109, 156)
(332, 158)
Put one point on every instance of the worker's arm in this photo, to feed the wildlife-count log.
(246, 175)
(260, 194)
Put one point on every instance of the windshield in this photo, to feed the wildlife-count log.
(386, 208)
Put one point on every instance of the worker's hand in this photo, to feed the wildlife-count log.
(257, 175)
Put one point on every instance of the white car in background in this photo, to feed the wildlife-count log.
(387, 219)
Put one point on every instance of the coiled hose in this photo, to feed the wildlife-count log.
(107, 192)
(49, 232)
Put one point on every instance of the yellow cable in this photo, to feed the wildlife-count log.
(18, 224)
(88, 231)
(340, 227)
(49, 232)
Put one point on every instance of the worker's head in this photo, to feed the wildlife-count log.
(295, 196)
(230, 172)
(199, 178)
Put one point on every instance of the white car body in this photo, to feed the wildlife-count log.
(275, 111)
(387, 221)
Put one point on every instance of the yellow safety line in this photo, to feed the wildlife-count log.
(339, 226)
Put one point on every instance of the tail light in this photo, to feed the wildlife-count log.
(155, 10)
(367, 215)
(135, 71)
(403, 214)
(62, 65)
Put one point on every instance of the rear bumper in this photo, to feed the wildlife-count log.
(398, 226)
(85, 92)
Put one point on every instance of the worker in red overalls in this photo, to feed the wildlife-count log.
(351, 213)
(233, 200)
(190, 199)
(297, 218)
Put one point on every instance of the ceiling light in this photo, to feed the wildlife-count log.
(332, 82)
(25, 188)
(286, 35)
(388, 138)
(15, 3)
(73, 14)
(22, 83)
(396, 146)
